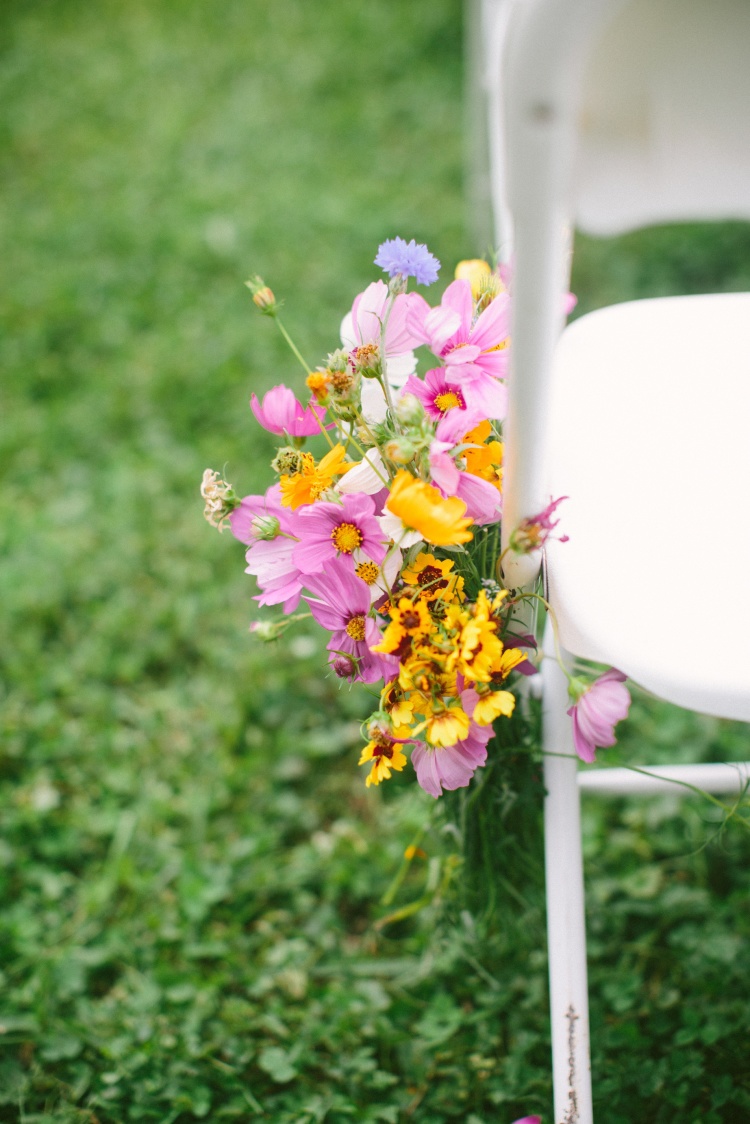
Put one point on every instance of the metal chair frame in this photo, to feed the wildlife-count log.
(537, 68)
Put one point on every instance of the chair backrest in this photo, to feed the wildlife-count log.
(664, 122)
(616, 114)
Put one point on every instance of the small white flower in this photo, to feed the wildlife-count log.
(394, 528)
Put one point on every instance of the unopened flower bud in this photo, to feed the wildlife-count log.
(337, 360)
(267, 630)
(265, 527)
(398, 284)
(475, 271)
(379, 725)
(399, 449)
(263, 297)
(344, 666)
(409, 410)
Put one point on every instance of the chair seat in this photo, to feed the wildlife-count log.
(650, 440)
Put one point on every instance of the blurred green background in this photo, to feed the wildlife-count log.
(196, 919)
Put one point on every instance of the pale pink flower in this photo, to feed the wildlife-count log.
(598, 709)
(281, 413)
(484, 503)
(270, 555)
(368, 313)
(453, 766)
(329, 530)
(361, 328)
(532, 533)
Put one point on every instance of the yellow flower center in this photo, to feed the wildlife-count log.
(448, 400)
(346, 537)
(356, 627)
(368, 572)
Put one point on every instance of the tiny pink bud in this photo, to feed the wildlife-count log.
(344, 667)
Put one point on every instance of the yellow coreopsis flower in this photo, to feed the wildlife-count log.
(447, 725)
(504, 664)
(385, 754)
(421, 508)
(408, 619)
(399, 709)
(424, 674)
(433, 577)
(491, 705)
(479, 646)
(312, 480)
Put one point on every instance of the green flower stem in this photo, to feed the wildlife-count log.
(383, 380)
(295, 350)
(553, 619)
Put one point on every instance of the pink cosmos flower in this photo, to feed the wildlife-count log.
(484, 503)
(598, 709)
(329, 530)
(271, 532)
(453, 766)
(532, 533)
(451, 333)
(529, 1120)
(442, 399)
(341, 604)
(368, 313)
(475, 353)
(360, 332)
(281, 413)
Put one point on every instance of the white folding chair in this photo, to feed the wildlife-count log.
(617, 115)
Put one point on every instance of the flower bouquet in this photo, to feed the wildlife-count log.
(389, 535)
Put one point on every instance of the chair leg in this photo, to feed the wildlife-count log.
(566, 931)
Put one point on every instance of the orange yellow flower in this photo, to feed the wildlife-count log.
(318, 383)
(312, 480)
(421, 508)
(486, 461)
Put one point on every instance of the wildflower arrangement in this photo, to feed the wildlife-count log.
(390, 533)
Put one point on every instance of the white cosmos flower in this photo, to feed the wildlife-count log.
(394, 528)
(398, 368)
(369, 476)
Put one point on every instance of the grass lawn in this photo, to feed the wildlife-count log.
(205, 915)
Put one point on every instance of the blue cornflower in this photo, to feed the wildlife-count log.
(409, 259)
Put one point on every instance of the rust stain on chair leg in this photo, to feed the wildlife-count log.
(571, 1114)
